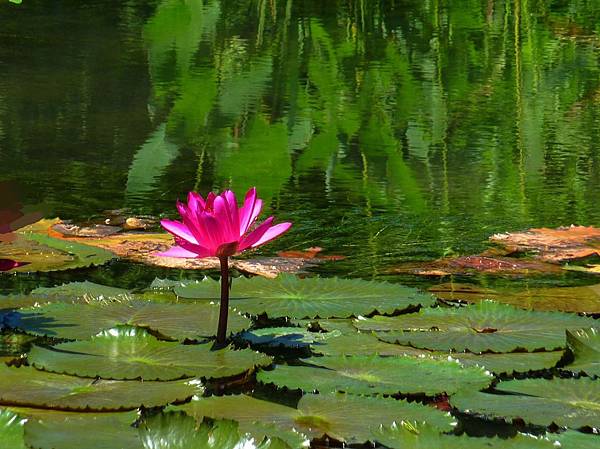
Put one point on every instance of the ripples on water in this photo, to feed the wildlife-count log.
(387, 130)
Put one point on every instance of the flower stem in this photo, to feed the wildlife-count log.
(224, 310)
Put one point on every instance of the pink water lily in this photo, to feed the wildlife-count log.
(216, 227)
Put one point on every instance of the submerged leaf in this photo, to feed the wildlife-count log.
(565, 402)
(134, 354)
(378, 375)
(82, 321)
(486, 326)
(27, 386)
(290, 296)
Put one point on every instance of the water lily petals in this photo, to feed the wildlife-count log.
(256, 235)
(233, 211)
(272, 233)
(198, 250)
(223, 216)
(210, 199)
(213, 231)
(179, 230)
(177, 251)
(195, 203)
(256, 212)
(246, 210)
(9, 264)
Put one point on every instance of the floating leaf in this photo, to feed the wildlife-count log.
(575, 440)
(86, 290)
(43, 253)
(362, 343)
(564, 402)
(406, 435)
(134, 354)
(486, 326)
(290, 296)
(179, 431)
(553, 245)
(82, 321)
(255, 416)
(351, 418)
(27, 386)
(11, 431)
(83, 430)
(73, 230)
(512, 362)
(585, 346)
(347, 418)
(582, 299)
(488, 264)
(378, 375)
(289, 337)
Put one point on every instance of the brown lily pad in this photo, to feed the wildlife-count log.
(143, 247)
(72, 230)
(481, 263)
(553, 245)
(582, 299)
(314, 252)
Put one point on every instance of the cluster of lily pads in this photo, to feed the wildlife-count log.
(350, 361)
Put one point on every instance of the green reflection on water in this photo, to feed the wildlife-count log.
(387, 130)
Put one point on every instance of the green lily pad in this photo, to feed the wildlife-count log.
(27, 386)
(290, 296)
(565, 402)
(84, 430)
(585, 346)
(134, 354)
(11, 430)
(44, 253)
(288, 337)
(486, 326)
(406, 435)
(82, 321)
(175, 430)
(378, 375)
(363, 343)
(343, 325)
(347, 418)
(572, 439)
(512, 362)
(87, 291)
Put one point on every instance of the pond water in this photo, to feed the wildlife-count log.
(387, 131)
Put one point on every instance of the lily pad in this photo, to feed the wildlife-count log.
(44, 253)
(585, 346)
(575, 440)
(378, 375)
(134, 354)
(179, 431)
(290, 296)
(553, 245)
(581, 299)
(406, 435)
(486, 326)
(565, 402)
(84, 430)
(512, 362)
(347, 418)
(27, 386)
(87, 291)
(82, 321)
(11, 430)
(351, 419)
(256, 417)
(288, 337)
(363, 343)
